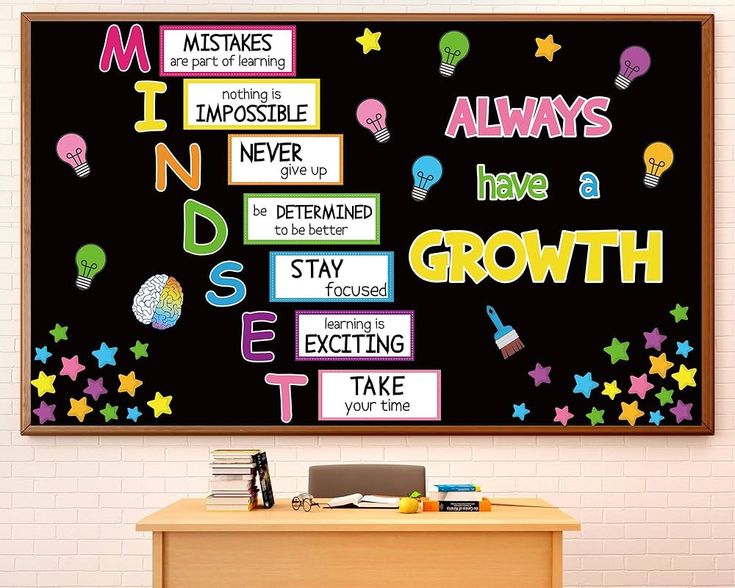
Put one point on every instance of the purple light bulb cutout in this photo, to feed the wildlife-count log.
(634, 62)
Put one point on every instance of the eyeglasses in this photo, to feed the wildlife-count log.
(305, 501)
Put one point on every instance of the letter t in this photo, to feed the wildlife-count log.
(284, 383)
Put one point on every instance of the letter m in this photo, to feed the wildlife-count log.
(123, 54)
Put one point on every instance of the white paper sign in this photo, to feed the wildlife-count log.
(251, 104)
(380, 395)
(285, 159)
(227, 50)
(331, 276)
(361, 335)
(348, 219)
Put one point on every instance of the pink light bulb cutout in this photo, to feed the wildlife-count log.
(371, 115)
(72, 150)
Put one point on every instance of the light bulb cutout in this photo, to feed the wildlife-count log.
(427, 171)
(634, 62)
(90, 261)
(371, 115)
(658, 158)
(72, 150)
(453, 47)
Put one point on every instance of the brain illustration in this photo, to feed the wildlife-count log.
(158, 302)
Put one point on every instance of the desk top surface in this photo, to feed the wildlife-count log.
(190, 515)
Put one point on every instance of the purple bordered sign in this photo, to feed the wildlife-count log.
(354, 335)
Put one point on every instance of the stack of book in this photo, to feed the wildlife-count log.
(232, 486)
(457, 498)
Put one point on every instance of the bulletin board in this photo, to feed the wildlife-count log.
(292, 224)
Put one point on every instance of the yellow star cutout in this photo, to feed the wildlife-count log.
(546, 47)
(160, 405)
(685, 377)
(79, 408)
(611, 389)
(43, 384)
(660, 365)
(630, 412)
(128, 383)
(369, 41)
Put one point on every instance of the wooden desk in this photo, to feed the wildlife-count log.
(510, 547)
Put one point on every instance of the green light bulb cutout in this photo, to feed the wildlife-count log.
(91, 260)
(454, 47)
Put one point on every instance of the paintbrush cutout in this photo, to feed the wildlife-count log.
(506, 338)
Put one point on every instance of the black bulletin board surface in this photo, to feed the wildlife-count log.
(195, 378)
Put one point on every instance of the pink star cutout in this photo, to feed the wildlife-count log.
(639, 385)
(563, 415)
(71, 368)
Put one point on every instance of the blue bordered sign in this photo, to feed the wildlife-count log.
(331, 276)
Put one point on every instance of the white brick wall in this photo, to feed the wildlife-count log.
(656, 511)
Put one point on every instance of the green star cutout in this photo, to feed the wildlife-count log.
(617, 350)
(139, 349)
(595, 417)
(664, 397)
(109, 412)
(680, 313)
(59, 333)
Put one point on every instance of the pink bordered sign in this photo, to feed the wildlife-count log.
(227, 50)
(380, 395)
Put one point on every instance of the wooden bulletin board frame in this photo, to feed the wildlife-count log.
(706, 427)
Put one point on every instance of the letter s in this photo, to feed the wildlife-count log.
(219, 278)
(599, 125)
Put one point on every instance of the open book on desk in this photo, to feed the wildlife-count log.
(364, 501)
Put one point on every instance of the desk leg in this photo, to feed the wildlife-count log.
(557, 571)
(157, 559)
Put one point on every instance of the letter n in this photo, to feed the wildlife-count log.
(123, 54)
(165, 159)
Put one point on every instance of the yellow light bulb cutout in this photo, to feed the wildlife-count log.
(658, 158)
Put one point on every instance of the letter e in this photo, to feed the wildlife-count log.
(250, 336)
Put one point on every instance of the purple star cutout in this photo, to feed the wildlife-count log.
(95, 388)
(45, 412)
(682, 411)
(654, 339)
(540, 375)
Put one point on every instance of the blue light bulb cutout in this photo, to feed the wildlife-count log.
(427, 171)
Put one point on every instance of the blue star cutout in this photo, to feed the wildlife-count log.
(42, 354)
(133, 414)
(584, 384)
(520, 411)
(105, 355)
(656, 417)
(683, 348)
